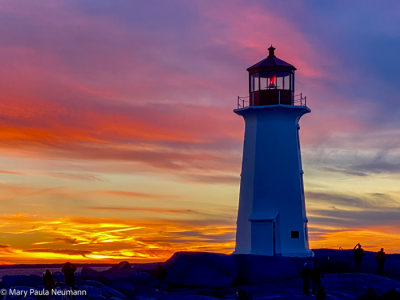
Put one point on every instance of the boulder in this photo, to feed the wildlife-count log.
(91, 291)
(256, 269)
(137, 278)
(94, 283)
(359, 284)
(58, 276)
(19, 288)
(369, 294)
(392, 294)
(124, 287)
(25, 280)
(187, 297)
(88, 273)
(392, 268)
(200, 269)
(99, 289)
(123, 265)
(109, 292)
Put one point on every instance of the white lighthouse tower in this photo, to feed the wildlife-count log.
(272, 217)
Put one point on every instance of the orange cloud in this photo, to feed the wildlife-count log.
(107, 240)
(144, 209)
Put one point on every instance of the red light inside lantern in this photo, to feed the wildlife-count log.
(272, 80)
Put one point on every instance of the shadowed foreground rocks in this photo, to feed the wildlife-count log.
(200, 270)
(202, 276)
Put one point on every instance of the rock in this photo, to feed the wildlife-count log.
(88, 273)
(91, 291)
(200, 269)
(392, 268)
(18, 290)
(24, 280)
(392, 294)
(137, 278)
(142, 279)
(94, 283)
(369, 294)
(255, 269)
(96, 289)
(123, 265)
(58, 276)
(358, 284)
(109, 292)
(185, 297)
(125, 287)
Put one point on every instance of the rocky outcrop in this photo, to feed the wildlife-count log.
(358, 285)
(201, 269)
(256, 269)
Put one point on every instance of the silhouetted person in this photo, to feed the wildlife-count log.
(380, 258)
(305, 276)
(48, 280)
(315, 275)
(358, 254)
(321, 295)
(69, 273)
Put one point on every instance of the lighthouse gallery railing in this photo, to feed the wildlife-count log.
(298, 100)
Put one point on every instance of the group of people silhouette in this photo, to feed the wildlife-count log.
(311, 273)
(358, 254)
(69, 276)
(311, 276)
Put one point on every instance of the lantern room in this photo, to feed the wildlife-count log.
(271, 81)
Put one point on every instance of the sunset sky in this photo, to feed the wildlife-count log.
(118, 140)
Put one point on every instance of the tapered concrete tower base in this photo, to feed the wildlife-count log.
(271, 217)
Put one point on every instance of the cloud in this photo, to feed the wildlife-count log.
(355, 218)
(214, 179)
(136, 194)
(59, 251)
(143, 209)
(370, 201)
(11, 172)
(112, 239)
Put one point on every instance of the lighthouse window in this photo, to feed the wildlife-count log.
(254, 82)
(294, 234)
(286, 82)
(279, 83)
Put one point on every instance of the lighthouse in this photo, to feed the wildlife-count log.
(271, 215)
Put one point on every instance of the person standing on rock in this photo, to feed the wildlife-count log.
(358, 254)
(48, 280)
(380, 258)
(305, 276)
(69, 273)
(315, 275)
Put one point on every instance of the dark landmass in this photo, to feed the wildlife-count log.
(200, 275)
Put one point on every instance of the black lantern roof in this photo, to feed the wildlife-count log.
(271, 63)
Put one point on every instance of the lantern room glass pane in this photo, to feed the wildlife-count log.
(286, 82)
(254, 80)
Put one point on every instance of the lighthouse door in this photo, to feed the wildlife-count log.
(263, 237)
